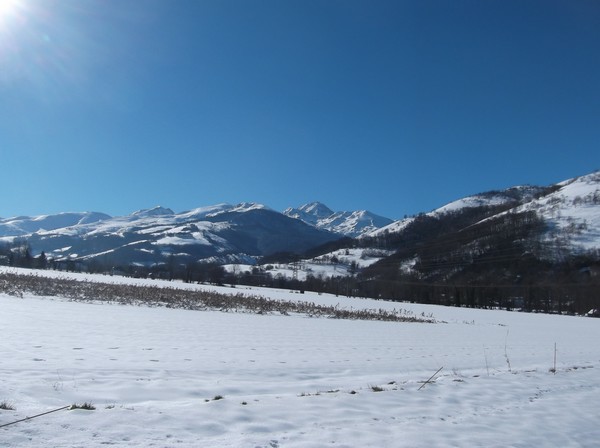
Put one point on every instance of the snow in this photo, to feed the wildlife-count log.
(198, 238)
(287, 381)
(322, 266)
(247, 206)
(203, 212)
(160, 225)
(578, 213)
(152, 212)
(353, 223)
(396, 226)
(572, 212)
(489, 199)
(62, 249)
(23, 225)
(310, 213)
(326, 265)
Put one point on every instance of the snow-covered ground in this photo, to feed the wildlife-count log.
(291, 381)
(338, 263)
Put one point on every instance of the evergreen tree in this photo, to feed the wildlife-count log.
(42, 261)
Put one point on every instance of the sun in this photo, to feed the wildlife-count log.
(8, 8)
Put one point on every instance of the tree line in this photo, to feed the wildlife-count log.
(475, 257)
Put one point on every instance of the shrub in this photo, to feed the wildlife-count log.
(87, 406)
(6, 406)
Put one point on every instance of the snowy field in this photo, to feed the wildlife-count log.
(155, 376)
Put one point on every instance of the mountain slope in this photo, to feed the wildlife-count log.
(310, 213)
(529, 247)
(23, 225)
(504, 199)
(572, 212)
(221, 233)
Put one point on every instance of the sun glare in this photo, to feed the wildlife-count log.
(8, 10)
(7, 7)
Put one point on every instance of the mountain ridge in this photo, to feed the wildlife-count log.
(244, 233)
(220, 233)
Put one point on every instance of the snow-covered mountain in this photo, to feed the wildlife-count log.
(220, 233)
(310, 213)
(152, 212)
(509, 198)
(569, 209)
(23, 225)
(568, 214)
(513, 195)
(351, 224)
(572, 212)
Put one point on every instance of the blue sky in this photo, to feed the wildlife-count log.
(397, 107)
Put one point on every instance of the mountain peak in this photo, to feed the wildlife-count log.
(347, 223)
(316, 208)
(153, 212)
(310, 212)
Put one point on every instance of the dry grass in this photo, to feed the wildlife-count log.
(19, 284)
